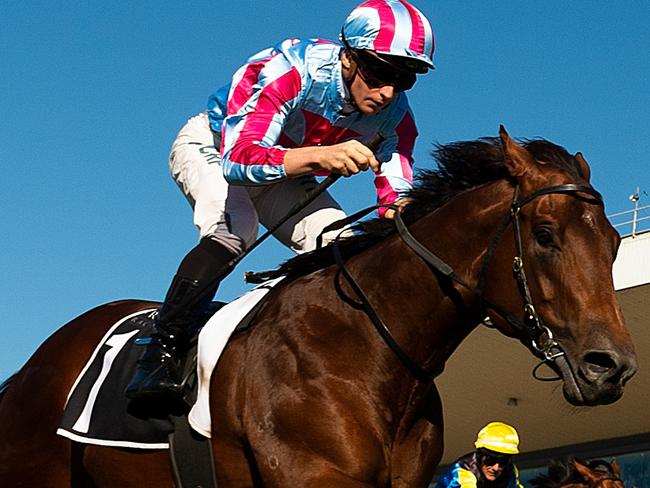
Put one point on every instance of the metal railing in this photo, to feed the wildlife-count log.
(632, 222)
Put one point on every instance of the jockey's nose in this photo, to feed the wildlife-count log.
(387, 92)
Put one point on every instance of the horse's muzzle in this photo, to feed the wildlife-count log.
(608, 366)
(598, 376)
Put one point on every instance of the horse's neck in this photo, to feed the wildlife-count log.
(428, 315)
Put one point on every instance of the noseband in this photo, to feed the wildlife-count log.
(531, 327)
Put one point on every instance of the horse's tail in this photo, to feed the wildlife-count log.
(5, 385)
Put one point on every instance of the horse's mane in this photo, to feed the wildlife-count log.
(562, 471)
(460, 166)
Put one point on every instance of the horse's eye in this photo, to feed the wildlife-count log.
(543, 235)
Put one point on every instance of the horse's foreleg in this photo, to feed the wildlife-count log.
(419, 445)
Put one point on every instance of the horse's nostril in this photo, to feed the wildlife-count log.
(607, 366)
(599, 366)
(601, 361)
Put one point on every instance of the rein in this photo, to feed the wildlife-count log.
(531, 327)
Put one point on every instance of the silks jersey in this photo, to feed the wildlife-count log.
(466, 473)
(293, 95)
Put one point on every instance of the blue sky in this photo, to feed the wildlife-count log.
(92, 94)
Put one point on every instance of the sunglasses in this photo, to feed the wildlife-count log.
(377, 72)
(491, 460)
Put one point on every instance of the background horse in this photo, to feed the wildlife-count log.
(332, 384)
(573, 473)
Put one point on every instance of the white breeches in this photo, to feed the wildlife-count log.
(231, 214)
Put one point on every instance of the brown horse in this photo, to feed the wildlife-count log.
(573, 473)
(332, 385)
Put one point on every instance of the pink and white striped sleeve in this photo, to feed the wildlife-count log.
(262, 94)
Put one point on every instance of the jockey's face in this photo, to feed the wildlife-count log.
(491, 473)
(492, 466)
(368, 100)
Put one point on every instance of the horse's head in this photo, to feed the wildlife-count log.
(564, 249)
(555, 237)
(600, 474)
(570, 472)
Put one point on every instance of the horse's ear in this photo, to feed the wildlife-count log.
(583, 165)
(616, 468)
(517, 159)
(584, 471)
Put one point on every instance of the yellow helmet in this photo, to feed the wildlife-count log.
(498, 437)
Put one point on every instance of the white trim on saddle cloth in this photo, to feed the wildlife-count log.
(212, 341)
(87, 418)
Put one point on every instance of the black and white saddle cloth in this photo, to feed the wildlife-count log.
(97, 412)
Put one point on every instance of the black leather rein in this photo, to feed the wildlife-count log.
(531, 327)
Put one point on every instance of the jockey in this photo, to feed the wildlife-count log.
(490, 465)
(299, 109)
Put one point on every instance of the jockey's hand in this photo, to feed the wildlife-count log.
(346, 158)
(401, 203)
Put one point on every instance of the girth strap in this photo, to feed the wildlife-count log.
(191, 456)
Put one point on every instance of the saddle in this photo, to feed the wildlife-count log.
(98, 413)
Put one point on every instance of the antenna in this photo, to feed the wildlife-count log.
(635, 198)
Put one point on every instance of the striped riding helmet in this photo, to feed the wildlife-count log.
(391, 27)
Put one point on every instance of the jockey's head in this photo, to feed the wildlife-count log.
(387, 43)
(496, 443)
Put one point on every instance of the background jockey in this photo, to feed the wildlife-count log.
(299, 109)
(490, 465)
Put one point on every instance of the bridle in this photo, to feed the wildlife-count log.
(531, 327)
(538, 335)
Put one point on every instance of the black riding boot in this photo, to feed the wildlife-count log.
(159, 368)
(158, 373)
